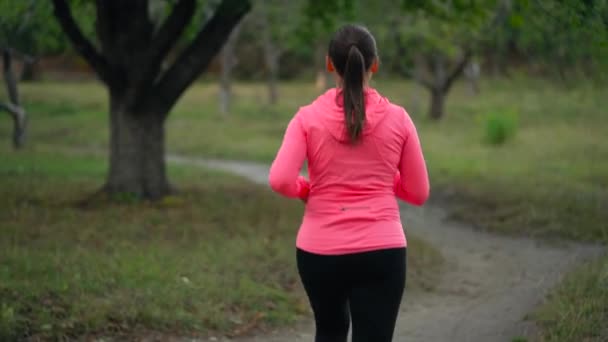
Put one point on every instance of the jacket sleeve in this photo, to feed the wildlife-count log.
(284, 177)
(412, 181)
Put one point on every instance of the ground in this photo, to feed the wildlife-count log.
(487, 286)
(548, 181)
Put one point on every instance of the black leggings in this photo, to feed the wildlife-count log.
(366, 287)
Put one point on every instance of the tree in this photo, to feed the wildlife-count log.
(446, 36)
(229, 61)
(129, 59)
(13, 106)
(28, 28)
(274, 28)
(568, 37)
(320, 20)
(12, 26)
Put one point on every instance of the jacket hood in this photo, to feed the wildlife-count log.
(330, 110)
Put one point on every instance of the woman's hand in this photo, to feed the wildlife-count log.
(303, 189)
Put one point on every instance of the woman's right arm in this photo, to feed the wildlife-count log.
(412, 180)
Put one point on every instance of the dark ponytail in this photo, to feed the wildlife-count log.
(352, 51)
(354, 102)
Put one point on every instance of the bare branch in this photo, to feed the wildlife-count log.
(197, 56)
(26, 17)
(9, 77)
(402, 68)
(424, 82)
(8, 107)
(457, 71)
(162, 42)
(171, 29)
(416, 76)
(80, 42)
(13, 107)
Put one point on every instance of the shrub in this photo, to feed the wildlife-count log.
(499, 127)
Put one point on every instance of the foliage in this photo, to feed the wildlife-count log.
(499, 127)
(323, 17)
(567, 36)
(29, 26)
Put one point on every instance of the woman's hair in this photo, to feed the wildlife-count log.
(352, 51)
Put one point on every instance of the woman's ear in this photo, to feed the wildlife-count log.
(375, 66)
(329, 64)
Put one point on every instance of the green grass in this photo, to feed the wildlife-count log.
(216, 257)
(549, 180)
(577, 310)
(545, 181)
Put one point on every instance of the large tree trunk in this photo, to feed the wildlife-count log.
(137, 158)
(437, 107)
(132, 50)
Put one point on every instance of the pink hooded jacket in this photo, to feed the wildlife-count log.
(350, 199)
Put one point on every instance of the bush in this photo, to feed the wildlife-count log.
(499, 127)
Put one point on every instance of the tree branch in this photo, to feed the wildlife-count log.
(457, 71)
(171, 29)
(26, 17)
(416, 76)
(402, 68)
(64, 15)
(198, 54)
(162, 42)
(13, 107)
(9, 77)
(9, 108)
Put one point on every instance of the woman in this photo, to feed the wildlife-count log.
(362, 152)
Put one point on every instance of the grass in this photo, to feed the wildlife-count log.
(216, 258)
(549, 180)
(544, 181)
(577, 310)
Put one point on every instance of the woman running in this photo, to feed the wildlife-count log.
(363, 152)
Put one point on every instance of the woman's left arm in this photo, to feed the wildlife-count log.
(284, 177)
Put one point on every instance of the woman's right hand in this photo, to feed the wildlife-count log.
(304, 189)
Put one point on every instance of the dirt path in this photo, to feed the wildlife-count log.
(488, 286)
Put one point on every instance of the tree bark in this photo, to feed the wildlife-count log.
(229, 61)
(30, 70)
(443, 79)
(13, 106)
(272, 56)
(437, 107)
(197, 56)
(472, 73)
(137, 156)
(132, 46)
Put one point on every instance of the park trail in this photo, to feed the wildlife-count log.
(488, 285)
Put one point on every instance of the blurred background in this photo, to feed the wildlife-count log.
(104, 233)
